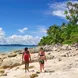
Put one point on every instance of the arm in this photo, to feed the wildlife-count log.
(30, 56)
(45, 56)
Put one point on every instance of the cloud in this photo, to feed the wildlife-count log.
(18, 39)
(59, 13)
(58, 8)
(26, 39)
(2, 36)
(42, 29)
(2, 33)
(22, 30)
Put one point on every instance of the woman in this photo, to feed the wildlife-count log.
(42, 59)
(26, 58)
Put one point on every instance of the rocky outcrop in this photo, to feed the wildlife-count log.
(12, 55)
(11, 62)
(34, 50)
(2, 72)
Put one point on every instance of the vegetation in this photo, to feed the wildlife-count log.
(66, 33)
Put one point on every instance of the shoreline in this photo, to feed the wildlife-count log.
(11, 48)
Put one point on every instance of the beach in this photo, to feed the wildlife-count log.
(62, 62)
(38, 38)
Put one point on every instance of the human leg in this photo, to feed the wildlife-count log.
(41, 65)
(25, 66)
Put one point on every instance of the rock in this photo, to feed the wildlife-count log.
(63, 55)
(59, 59)
(54, 49)
(33, 75)
(34, 57)
(50, 56)
(64, 47)
(48, 47)
(49, 71)
(12, 55)
(2, 72)
(17, 68)
(1, 60)
(75, 45)
(3, 56)
(17, 52)
(34, 50)
(49, 53)
(11, 62)
(38, 72)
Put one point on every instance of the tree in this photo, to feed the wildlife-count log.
(72, 13)
(66, 33)
(54, 32)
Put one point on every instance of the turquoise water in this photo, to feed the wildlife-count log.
(10, 48)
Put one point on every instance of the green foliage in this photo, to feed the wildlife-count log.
(66, 33)
(46, 40)
(72, 13)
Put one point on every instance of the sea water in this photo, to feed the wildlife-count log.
(9, 48)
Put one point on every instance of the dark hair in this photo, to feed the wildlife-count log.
(26, 50)
(41, 48)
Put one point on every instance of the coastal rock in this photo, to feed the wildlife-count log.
(75, 45)
(33, 75)
(2, 72)
(18, 52)
(34, 50)
(1, 61)
(49, 71)
(64, 47)
(54, 49)
(12, 55)
(48, 47)
(34, 57)
(11, 62)
(50, 56)
(3, 56)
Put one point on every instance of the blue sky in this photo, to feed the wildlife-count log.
(29, 18)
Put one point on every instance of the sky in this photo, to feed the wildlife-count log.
(27, 21)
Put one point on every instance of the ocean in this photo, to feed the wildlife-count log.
(10, 48)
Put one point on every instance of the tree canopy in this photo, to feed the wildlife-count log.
(66, 33)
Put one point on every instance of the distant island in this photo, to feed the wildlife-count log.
(16, 45)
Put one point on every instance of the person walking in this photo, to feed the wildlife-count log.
(42, 59)
(26, 58)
